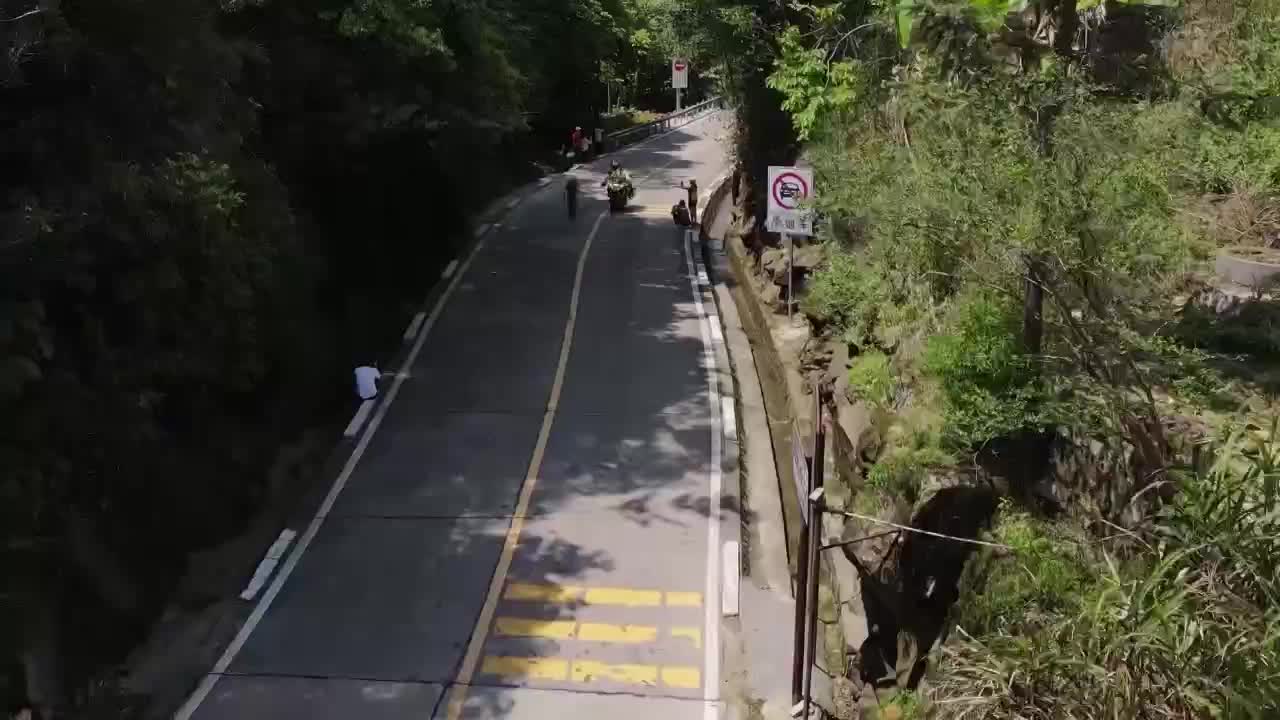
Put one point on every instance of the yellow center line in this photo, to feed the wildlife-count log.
(458, 696)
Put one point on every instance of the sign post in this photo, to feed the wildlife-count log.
(679, 78)
(789, 188)
(808, 471)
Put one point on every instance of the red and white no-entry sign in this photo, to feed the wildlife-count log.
(789, 188)
(679, 74)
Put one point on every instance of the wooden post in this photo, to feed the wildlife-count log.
(816, 508)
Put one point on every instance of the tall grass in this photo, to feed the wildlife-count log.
(1184, 627)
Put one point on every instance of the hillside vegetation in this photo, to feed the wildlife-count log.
(1021, 205)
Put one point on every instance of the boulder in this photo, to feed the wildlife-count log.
(808, 257)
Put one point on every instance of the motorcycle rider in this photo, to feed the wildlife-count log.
(616, 173)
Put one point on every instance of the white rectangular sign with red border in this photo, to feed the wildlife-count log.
(790, 189)
(679, 74)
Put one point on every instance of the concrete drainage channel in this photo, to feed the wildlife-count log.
(885, 591)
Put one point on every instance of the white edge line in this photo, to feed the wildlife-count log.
(480, 231)
(711, 683)
(412, 331)
(357, 421)
(716, 334)
(268, 564)
(448, 270)
(276, 551)
(260, 575)
(513, 203)
(730, 564)
(264, 603)
(728, 419)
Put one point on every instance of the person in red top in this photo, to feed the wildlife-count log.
(575, 140)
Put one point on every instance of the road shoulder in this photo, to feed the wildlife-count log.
(757, 640)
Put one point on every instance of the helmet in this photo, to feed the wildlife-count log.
(615, 165)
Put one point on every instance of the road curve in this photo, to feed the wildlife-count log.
(526, 529)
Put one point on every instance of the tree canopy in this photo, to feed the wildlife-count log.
(210, 210)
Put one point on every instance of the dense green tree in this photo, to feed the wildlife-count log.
(209, 209)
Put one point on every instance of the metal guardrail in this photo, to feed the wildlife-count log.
(667, 122)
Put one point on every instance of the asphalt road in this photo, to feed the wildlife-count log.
(525, 533)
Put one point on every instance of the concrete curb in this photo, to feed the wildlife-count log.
(756, 642)
(731, 496)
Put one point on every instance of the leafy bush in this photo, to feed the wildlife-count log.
(847, 293)
(901, 472)
(897, 476)
(1188, 626)
(1229, 519)
(901, 705)
(989, 386)
(871, 379)
(1012, 590)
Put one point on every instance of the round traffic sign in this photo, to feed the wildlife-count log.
(788, 190)
(679, 66)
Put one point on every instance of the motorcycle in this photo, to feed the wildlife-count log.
(620, 192)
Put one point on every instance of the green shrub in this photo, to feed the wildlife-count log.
(988, 385)
(1186, 626)
(902, 471)
(898, 476)
(1044, 573)
(847, 293)
(902, 705)
(871, 379)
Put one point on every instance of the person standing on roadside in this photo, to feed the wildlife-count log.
(367, 377)
(571, 196)
(692, 187)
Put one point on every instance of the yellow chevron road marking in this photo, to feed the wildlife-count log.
(527, 668)
(588, 671)
(520, 627)
(681, 677)
(692, 633)
(684, 599)
(623, 596)
(529, 592)
(568, 629)
(552, 593)
(630, 634)
(585, 671)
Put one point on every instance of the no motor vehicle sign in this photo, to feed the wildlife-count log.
(789, 188)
